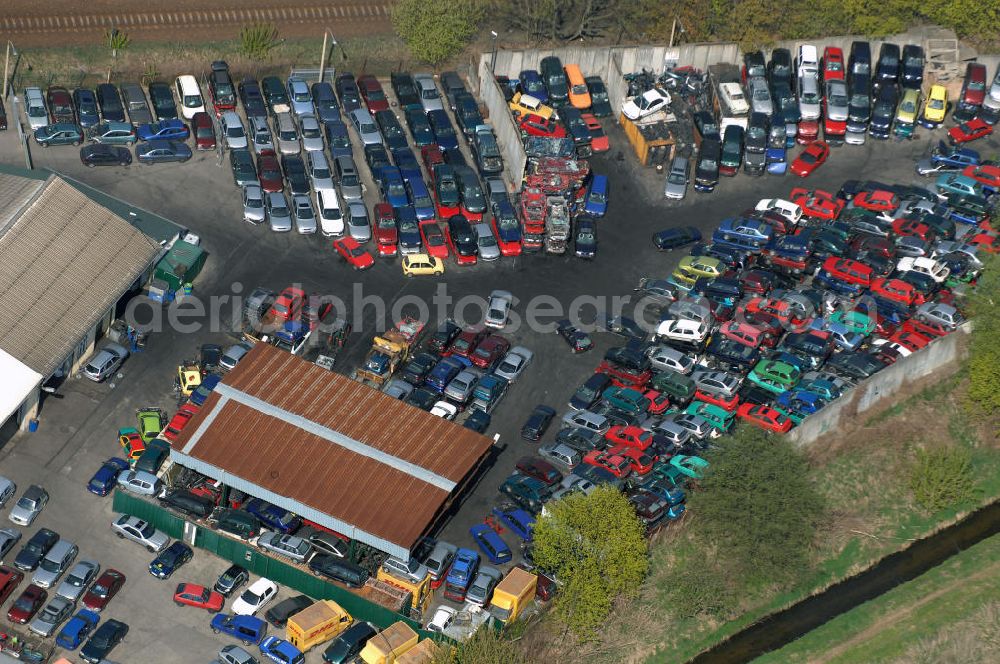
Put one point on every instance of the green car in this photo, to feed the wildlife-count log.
(720, 419)
(677, 386)
(795, 416)
(60, 133)
(627, 399)
(855, 321)
(151, 422)
(113, 133)
(775, 376)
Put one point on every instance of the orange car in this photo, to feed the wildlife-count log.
(579, 95)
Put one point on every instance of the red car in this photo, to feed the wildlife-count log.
(906, 226)
(386, 232)
(431, 155)
(536, 125)
(808, 132)
(832, 64)
(757, 281)
(877, 200)
(765, 417)
(507, 247)
(987, 174)
(617, 465)
(640, 462)
(352, 252)
(203, 130)
(199, 597)
(972, 130)
(775, 307)
(9, 578)
(910, 340)
(27, 604)
(925, 328)
(433, 238)
(630, 436)
(465, 343)
(659, 402)
(373, 94)
(817, 203)
(811, 158)
(269, 172)
(106, 587)
(725, 403)
(543, 471)
(179, 421)
(875, 246)
(598, 139)
(60, 105)
(988, 242)
(288, 305)
(490, 351)
(897, 290)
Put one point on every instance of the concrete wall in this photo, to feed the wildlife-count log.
(941, 357)
(507, 133)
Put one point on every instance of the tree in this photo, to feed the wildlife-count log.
(984, 353)
(486, 646)
(596, 545)
(436, 31)
(258, 41)
(118, 42)
(757, 505)
(941, 477)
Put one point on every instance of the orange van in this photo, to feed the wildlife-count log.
(579, 95)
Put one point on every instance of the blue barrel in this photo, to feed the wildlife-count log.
(33, 424)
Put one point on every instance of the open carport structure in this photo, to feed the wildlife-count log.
(331, 450)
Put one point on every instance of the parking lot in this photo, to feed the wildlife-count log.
(78, 430)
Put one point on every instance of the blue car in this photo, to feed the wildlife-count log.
(444, 131)
(505, 223)
(531, 83)
(274, 517)
(490, 543)
(803, 401)
(822, 387)
(86, 107)
(248, 629)
(106, 477)
(169, 130)
(596, 203)
(740, 229)
(160, 151)
(443, 372)
(338, 139)
(207, 386)
(77, 629)
(955, 157)
(281, 651)
(409, 231)
(520, 522)
(393, 188)
(420, 198)
(170, 559)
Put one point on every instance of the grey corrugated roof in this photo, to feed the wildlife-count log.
(63, 262)
(15, 192)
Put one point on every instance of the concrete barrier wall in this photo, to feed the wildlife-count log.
(507, 133)
(843, 414)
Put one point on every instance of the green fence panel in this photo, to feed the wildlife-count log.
(147, 511)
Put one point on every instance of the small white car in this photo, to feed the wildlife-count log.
(647, 103)
(331, 219)
(787, 209)
(233, 130)
(253, 204)
(445, 410)
(498, 309)
(254, 598)
(442, 619)
(936, 270)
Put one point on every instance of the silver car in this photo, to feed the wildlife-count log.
(260, 135)
(561, 453)
(429, 95)
(9, 537)
(29, 505)
(586, 420)
(809, 97)
(677, 179)
(253, 204)
(760, 96)
(366, 127)
(498, 308)
(233, 654)
(358, 225)
(78, 579)
(514, 362)
(573, 484)
(319, 170)
(481, 590)
(410, 570)
(50, 617)
(836, 101)
(140, 482)
(348, 178)
(290, 546)
(141, 532)
(278, 214)
(305, 217)
(672, 431)
(667, 358)
(7, 490)
(461, 386)
(397, 388)
(489, 250)
(941, 313)
(34, 107)
(697, 425)
(288, 135)
(233, 130)
(312, 134)
(300, 96)
(105, 362)
(233, 355)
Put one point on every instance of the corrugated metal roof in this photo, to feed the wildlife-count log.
(15, 192)
(326, 446)
(63, 262)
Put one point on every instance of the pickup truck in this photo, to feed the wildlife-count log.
(488, 392)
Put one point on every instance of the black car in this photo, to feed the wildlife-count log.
(406, 91)
(295, 173)
(392, 131)
(788, 106)
(377, 158)
(252, 98)
(108, 635)
(188, 503)
(578, 340)
(756, 134)
(467, 113)
(590, 392)
(423, 398)
(98, 154)
(339, 569)
(887, 67)
(478, 420)
(752, 393)
(231, 580)
(279, 614)
(631, 359)
(576, 129)
(732, 258)
(537, 423)
(600, 106)
(209, 356)
(732, 150)
(883, 111)
(325, 101)
(275, 94)
(444, 335)
(754, 65)
(706, 170)
(34, 549)
(162, 99)
(720, 289)
(348, 92)
(415, 371)
(672, 238)
(706, 125)
(859, 109)
(112, 109)
(912, 77)
(174, 556)
(3, 116)
(622, 326)
(856, 365)
(220, 85)
(345, 648)
(463, 238)
(585, 238)
(779, 69)
(452, 85)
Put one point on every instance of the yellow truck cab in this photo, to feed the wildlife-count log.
(513, 594)
(386, 646)
(317, 624)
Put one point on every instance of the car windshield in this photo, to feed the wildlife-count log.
(976, 85)
(708, 164)
(192, 101)
(26, 503)
(100, 590)
(597, 197)
(860, 100)
(386, 223)
(368, 128)
(23, 603)
(235, 131)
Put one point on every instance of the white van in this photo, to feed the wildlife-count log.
(190, 95)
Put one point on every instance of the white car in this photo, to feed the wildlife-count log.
(647, 103)
(808, 60)
(253, 204)
(305, 217)
(514, 363)
(683, 330)
(445, 410)
(141, 532)
(936, 270)
(233, 130)
(443, 617)
(331, 219)
(498, 309)
(787, 209)
(254, 598)
(430, 98)
(893, 345)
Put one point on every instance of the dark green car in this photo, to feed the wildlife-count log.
(60, 133)
(244, 169)
(113, 133)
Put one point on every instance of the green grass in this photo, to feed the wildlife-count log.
(902, 616)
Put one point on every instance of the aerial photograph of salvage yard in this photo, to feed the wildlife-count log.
(500, 332)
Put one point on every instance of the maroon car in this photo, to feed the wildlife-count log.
(9, 578)
(489, 351)
(27, 604)
(269, 172)
(203, 130)
(541, 470)
(373, 94)
(106, 587)
(465, 344)
(61, 105)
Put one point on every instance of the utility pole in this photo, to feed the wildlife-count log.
(327, 37)
(493, 58)
(6, 67)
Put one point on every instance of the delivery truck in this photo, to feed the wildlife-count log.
(317, 624)
(513, 594)
(386, 646)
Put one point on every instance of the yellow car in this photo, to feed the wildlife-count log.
(908, 105)
(522, 104)
(421, 264)
(692, 268)
(937, 105)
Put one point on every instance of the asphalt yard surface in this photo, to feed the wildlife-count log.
(78, 431)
